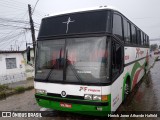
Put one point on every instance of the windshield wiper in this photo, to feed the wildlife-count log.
(52, 68)
(49, 74)
(75, 73)
(73, 69)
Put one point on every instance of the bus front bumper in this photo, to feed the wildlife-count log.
(73, 105)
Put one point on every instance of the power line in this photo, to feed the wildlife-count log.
(9, 41)
(11, 7)
(8, 37)
(35, 7)
(7, 44)
(21, 27)
(15, 25)
(13, 3)
(12, 20)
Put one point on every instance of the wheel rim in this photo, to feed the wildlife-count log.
(126, 90)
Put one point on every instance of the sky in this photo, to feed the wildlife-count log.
(144, 13)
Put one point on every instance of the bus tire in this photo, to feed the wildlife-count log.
(126, 89)
(145, 69)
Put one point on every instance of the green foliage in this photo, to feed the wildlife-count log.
(19, 89)
(2, 94)
(30, 78)
(6, 91)
(29, 87)
(3, 87)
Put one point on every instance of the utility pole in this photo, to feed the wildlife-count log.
(32, 27)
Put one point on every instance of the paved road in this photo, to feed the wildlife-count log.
(146, 97)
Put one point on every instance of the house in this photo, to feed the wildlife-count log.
(29, 67)
(12, 67)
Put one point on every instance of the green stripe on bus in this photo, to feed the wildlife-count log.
(134, 69)
(133, 72)
(124, 81)
(78, 108)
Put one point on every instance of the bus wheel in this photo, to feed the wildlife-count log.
(126, 89)
(145, 68)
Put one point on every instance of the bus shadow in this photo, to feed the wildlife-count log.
(72, 116)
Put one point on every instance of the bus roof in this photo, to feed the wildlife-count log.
(82, 10)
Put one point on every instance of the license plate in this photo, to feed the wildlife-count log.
(66, 105)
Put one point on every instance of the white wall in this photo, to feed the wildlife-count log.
(15, 74)
(29, 69)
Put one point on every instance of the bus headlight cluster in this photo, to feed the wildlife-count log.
(39, 91)
(88, 97)
(96, 97)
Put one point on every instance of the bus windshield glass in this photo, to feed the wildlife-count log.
(73, 60)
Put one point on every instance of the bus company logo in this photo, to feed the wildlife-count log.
(89, 89)
(139, 52)
(63, 94)
(83, 89)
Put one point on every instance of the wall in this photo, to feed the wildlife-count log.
(29, 68)
(15, 74)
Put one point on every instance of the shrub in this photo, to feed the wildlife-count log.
(3, 87)
(19, 89)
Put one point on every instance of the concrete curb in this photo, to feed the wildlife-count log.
(13, 91)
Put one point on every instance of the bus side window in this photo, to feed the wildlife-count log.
(117, 26)
(147, 40)
(126, 26)
(142, 38)
(134, 36)
(117, 59)
(139, 37)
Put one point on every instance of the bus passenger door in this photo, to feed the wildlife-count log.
(117, 63)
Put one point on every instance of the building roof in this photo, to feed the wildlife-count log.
(9, 51)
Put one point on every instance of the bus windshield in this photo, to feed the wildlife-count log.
(73, 60)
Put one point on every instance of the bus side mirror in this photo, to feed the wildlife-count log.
(28, 54)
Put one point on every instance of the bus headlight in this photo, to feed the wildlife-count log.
(39, 91)
(103, 98)
(88, 97)
(97, 97)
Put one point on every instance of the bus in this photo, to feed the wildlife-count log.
(88, 61)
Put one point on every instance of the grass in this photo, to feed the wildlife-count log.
(30, 78)
(2, 94)
(19, 89)
(6, 91)
(3, 87)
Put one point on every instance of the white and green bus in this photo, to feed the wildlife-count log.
(88, 61)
